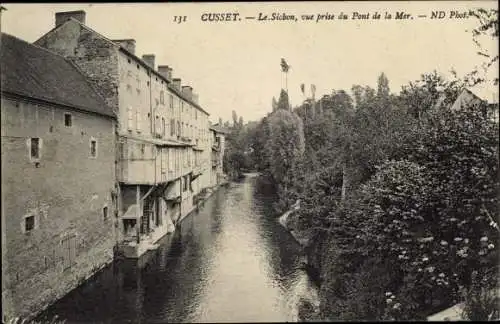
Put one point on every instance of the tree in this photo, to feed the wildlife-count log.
(283, 102)
(488, 28)
(235, 119)
(274, 104)
(285, 68)
(383, 86)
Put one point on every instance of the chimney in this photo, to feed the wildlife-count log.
(63, 16)
(187, 91)
(149, 59)
(177, 83)
(128, 44)
(170, 73)
(195, 98)
(166, 71)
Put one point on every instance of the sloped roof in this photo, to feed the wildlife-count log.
(31, 71)
(218, 129)
(486, 92)
(135, 58)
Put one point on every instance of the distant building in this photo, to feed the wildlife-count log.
(480, 97)
(58, 178)
(218, 144)
(163, 148)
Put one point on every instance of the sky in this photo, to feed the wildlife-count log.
(236, 65)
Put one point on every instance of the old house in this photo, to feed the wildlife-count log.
(58, 177)
(218, 144)
(163, 148)
(482, 97)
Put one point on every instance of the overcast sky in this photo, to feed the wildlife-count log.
(236, 65)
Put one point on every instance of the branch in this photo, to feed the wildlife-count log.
(493, 223)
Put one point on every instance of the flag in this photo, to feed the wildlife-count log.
(284, 66)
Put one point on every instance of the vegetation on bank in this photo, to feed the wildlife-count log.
(399, 193)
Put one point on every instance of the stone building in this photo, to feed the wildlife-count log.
(163, 147)
(218, 144)
(58, 178)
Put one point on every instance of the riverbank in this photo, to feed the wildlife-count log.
(307, 309)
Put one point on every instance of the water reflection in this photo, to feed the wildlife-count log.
(230, 262)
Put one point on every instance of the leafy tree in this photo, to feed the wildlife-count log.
(283, 102)
(383, 86)
(235, 119)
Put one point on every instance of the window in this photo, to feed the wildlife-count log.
(68, 120)
(143, 149)
(171, 102)
(138, 121)
(29, 223)
(162, 97)
(93, 148)
(183, 131)
(35, 148)
(130, 123)
(105, 212)
(196, 114)
(178, 128)
(185, 187)
(172, 127)
(164, 127)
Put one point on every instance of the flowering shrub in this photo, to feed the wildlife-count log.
(430, 215)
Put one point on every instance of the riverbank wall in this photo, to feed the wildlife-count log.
(308, 311)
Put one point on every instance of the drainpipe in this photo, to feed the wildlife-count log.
(138, 212)
(152, 123)
(180, 204)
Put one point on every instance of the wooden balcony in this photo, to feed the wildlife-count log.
(147, 161)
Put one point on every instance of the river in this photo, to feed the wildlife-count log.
(229, 262)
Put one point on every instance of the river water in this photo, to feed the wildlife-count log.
(229, 262)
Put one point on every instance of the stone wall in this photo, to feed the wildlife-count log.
(95, 56)
(66, 191)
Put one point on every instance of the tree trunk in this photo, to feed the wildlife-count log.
(344, 181)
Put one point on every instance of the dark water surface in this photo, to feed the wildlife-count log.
(230, 262)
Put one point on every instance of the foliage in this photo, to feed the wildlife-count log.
(481, 298)
(488, 27)
(426, 215)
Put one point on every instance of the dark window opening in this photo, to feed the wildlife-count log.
(68, 120)
(35, 148)
(105, 212)
(93, 148)
(138, 66)
(147, 83)
(143, 149)
(29, 223)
